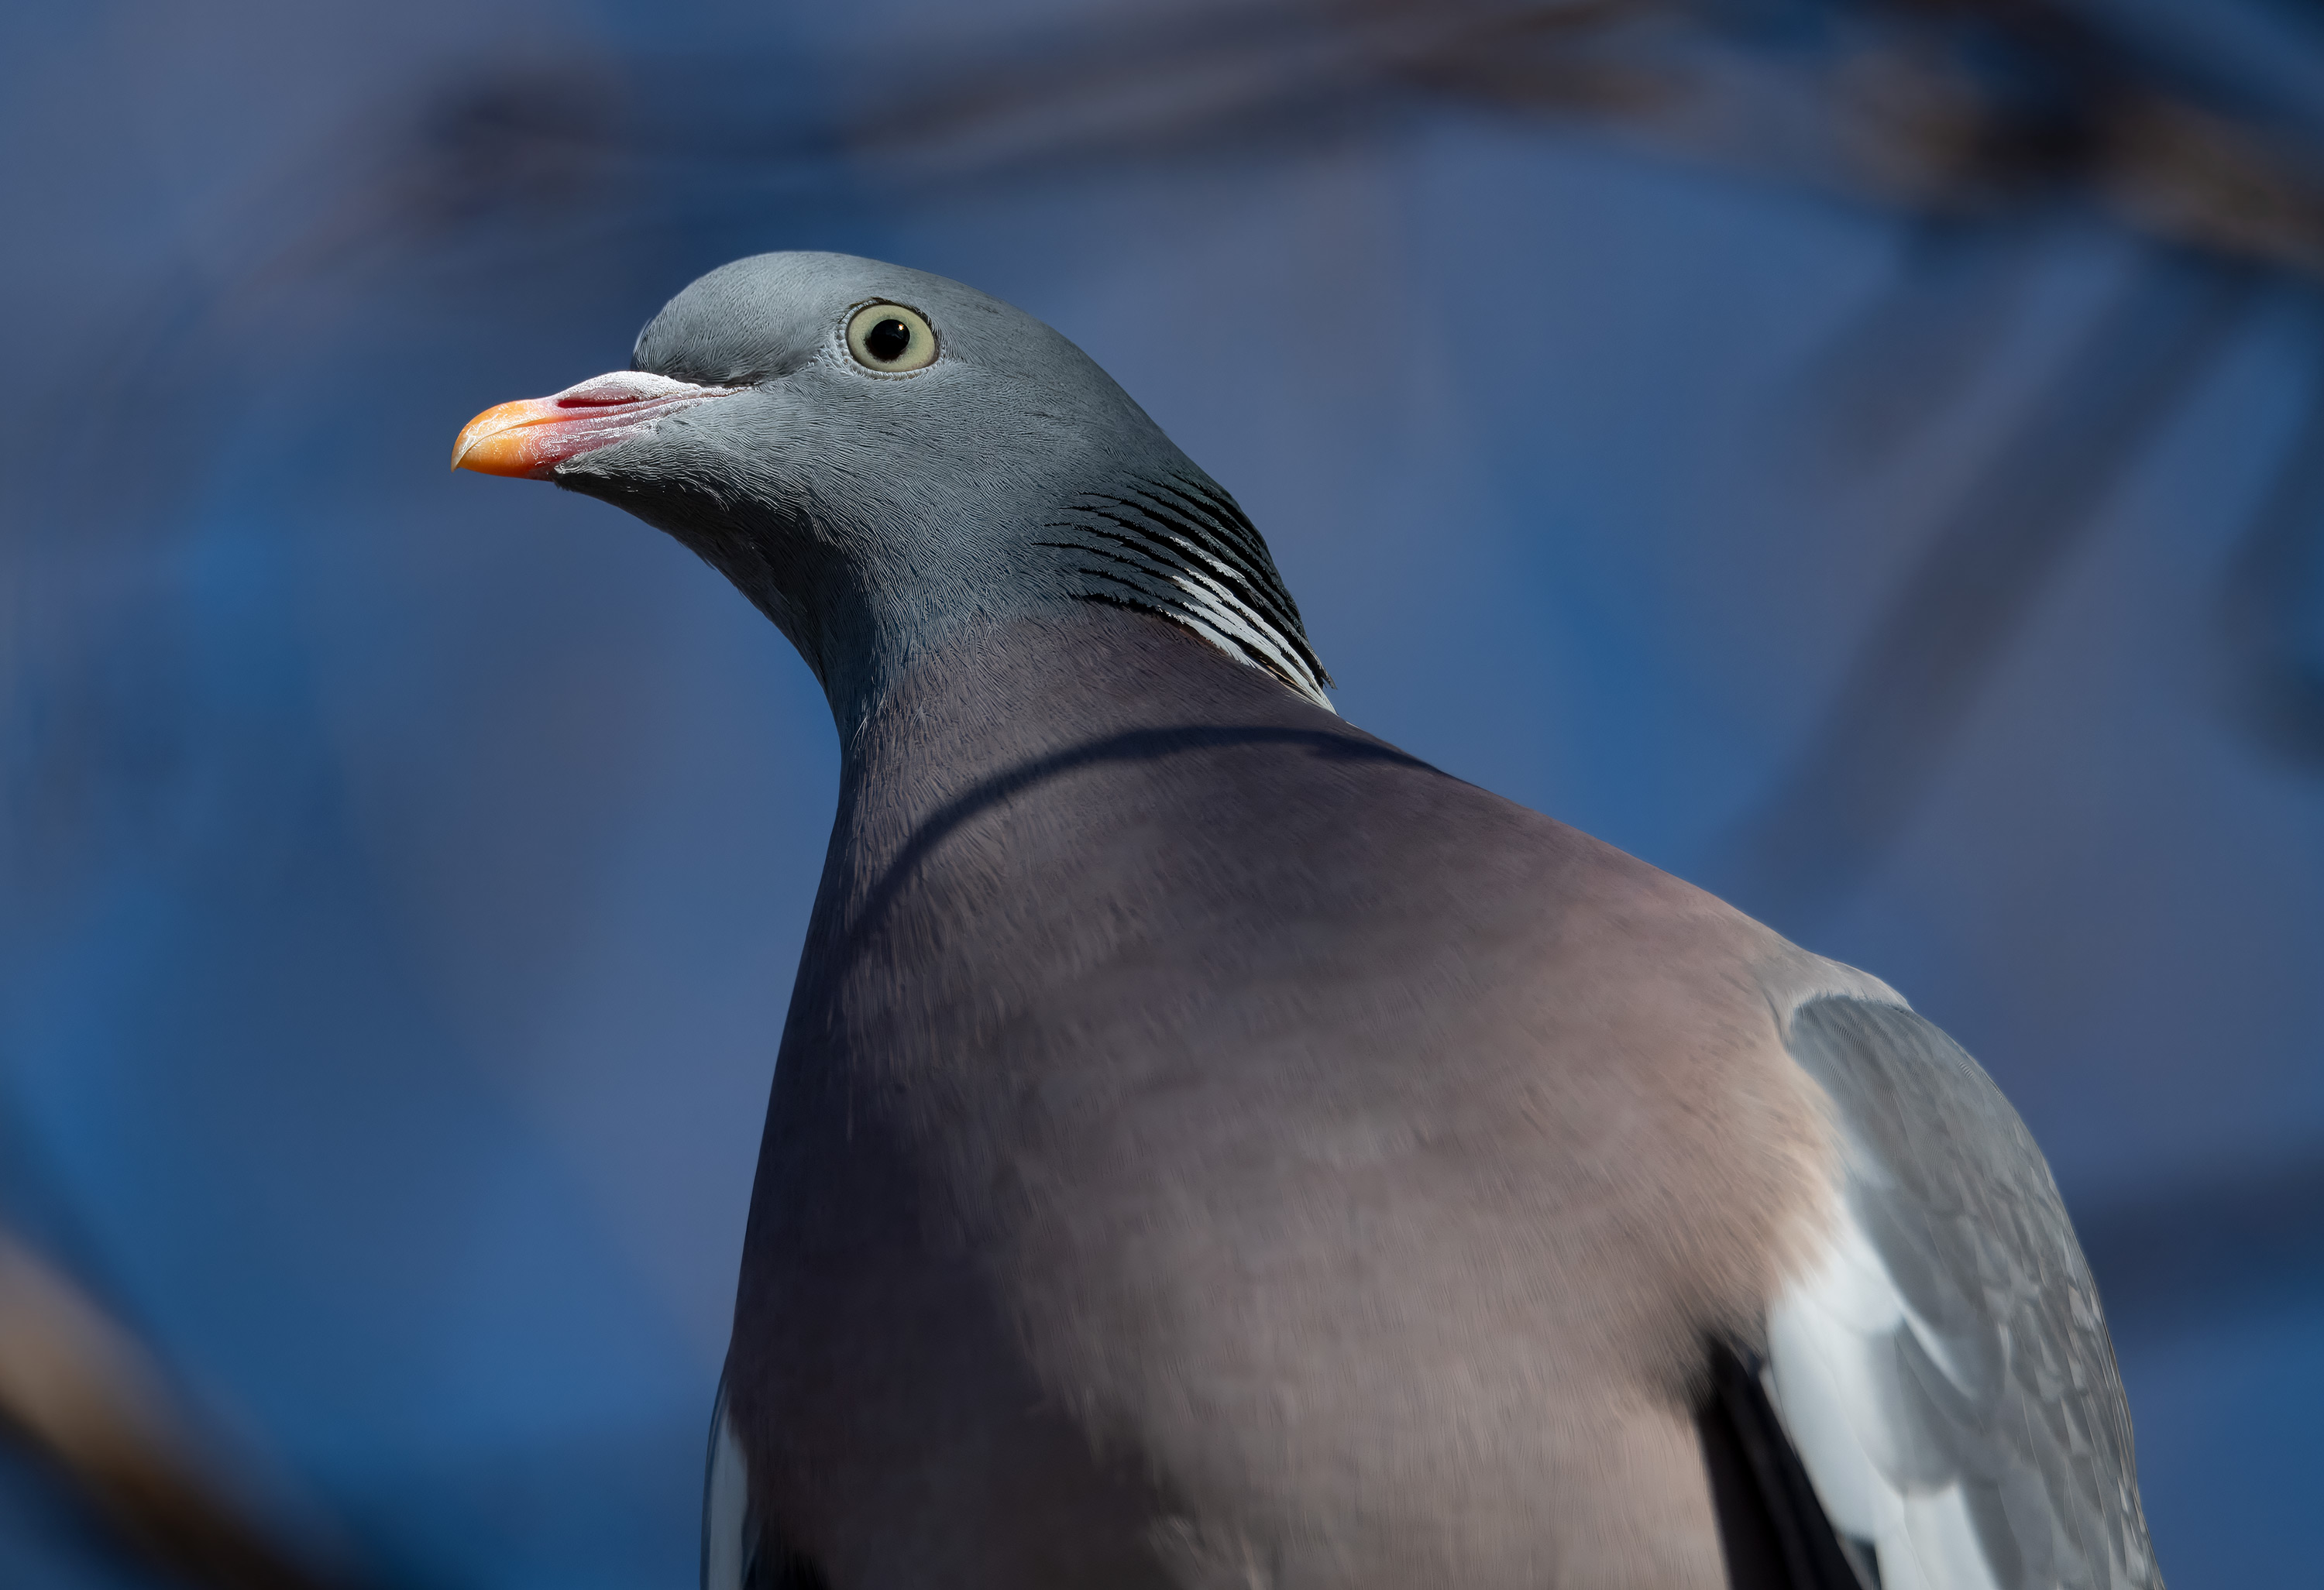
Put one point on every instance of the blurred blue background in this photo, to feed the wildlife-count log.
(1865, 456)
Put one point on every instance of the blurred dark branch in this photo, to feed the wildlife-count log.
(1909, 693)
(2272, 612)
(1953, 107)
(2186, 1252)
(76, 1390)
(1962, 107)
(1970, 110)
(1959, 304)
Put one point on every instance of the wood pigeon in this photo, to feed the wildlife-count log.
(1210, 1147)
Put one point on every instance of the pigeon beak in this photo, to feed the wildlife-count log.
(531, 437)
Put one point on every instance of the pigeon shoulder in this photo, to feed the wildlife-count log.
(1592, 889)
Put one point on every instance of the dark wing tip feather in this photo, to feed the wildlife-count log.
(1772, 1529)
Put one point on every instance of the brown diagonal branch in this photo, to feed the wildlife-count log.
(75, 1388)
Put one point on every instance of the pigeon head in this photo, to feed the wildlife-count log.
(879, 458)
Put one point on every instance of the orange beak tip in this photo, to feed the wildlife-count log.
(507, 439)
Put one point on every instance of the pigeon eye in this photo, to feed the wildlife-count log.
(890, 339)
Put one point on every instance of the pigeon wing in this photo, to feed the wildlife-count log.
(1944, 1373)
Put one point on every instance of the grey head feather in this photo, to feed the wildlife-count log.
(873, 515)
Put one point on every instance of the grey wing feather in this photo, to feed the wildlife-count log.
(1947, 1376)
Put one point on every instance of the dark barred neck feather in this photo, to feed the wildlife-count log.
(1182, 550)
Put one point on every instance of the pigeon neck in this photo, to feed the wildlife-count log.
(997, 697)
(1165, 544)
(1170, 542)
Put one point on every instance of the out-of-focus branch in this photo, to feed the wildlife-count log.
(1956, 107)
(78, 1390)
(1960, 107)
(1905, 699)
(1964, 108)
(2272, 612)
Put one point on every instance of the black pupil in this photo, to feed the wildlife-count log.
(887, 341)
